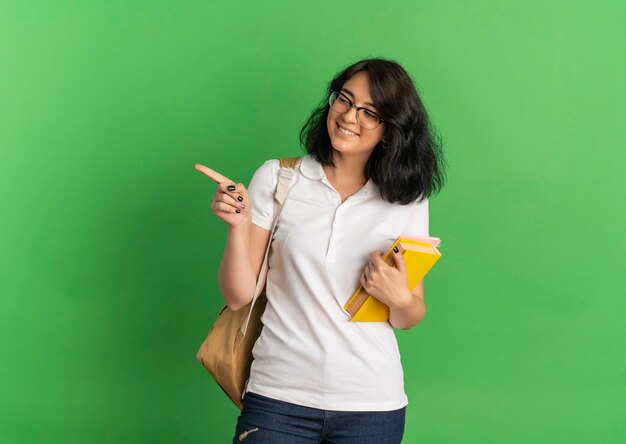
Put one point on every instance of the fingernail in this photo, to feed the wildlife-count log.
(243, 206)
(231, 187)
(237, 210)
(395, 249)
(240, 198)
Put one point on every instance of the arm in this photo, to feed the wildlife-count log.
(389, 285)
(246, 241)
(241, 264)
(410, 310)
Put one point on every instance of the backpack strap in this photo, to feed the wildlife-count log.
(289, 162)
(285, 176)
(287, 168)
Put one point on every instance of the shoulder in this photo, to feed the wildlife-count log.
(267, 173)
(261, 191)
(416, 208)
(411, 207)
(418, 218)
(419, 205)
(269, 166)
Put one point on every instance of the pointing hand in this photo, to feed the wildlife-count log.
(230, 201)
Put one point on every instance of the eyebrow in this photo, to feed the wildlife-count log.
(352, 94)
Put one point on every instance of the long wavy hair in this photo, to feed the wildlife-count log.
(411, 167)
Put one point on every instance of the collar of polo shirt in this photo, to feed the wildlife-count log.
(312, 169)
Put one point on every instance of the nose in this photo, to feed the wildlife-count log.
(350, 115)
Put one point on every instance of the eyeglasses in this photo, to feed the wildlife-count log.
(367, 118)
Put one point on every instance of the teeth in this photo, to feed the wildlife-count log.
(343, 130)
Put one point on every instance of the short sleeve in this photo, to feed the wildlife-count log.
(418, 219)
(261, 191)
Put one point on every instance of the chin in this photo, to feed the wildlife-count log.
(341, 145)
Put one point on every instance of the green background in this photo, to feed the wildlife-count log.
(109, 250)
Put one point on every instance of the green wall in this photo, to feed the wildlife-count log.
(109, 250)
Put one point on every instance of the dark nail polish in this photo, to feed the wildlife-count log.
(239, 198)
(395, 249)
(237, 210)
(231, 187)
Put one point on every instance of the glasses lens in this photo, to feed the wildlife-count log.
(367, 119)
(338, 102)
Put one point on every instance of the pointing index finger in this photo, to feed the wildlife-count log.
(212, 174)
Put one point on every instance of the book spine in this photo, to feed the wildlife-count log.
(357, 301)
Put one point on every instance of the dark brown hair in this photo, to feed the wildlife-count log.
(411, 168)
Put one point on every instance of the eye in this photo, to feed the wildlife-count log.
(342, 99)
(370, 114)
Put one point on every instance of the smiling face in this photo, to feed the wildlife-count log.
(346, 135)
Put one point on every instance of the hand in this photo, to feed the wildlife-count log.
(226, 203)
(388, 284)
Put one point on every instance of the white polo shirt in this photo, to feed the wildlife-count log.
(309, 352)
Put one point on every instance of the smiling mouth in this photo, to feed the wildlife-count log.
(346, 131)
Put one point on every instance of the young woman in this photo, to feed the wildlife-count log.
(371, 163)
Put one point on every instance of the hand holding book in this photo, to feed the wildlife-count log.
(386, 281)
(390, 276)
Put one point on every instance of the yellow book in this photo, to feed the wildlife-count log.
(419, 254)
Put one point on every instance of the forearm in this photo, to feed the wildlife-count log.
(408, 312)
(236, 277)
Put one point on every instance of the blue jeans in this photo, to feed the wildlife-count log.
(265, 420)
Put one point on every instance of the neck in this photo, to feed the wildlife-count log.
(348, 169)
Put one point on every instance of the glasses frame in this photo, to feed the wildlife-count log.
(352, 105)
